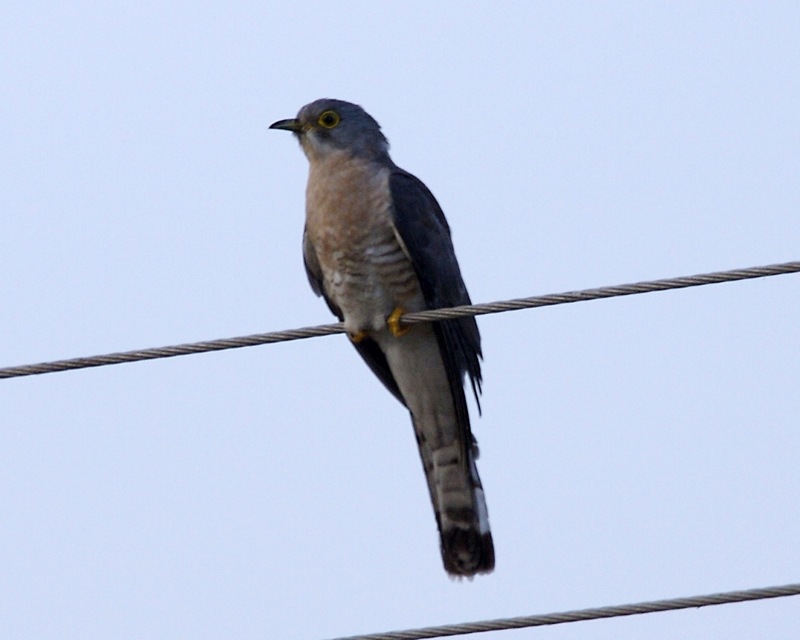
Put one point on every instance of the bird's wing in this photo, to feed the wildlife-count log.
(367, 348)
(314, 272)
(425, 235)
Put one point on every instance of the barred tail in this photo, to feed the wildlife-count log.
(467, 547)
(461, 513)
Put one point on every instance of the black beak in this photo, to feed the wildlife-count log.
(291, 124)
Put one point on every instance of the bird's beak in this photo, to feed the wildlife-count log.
(291, 124)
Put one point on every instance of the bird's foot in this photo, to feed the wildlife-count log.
(357, 337)
(394, 323)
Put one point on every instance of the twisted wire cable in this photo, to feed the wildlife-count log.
(411, 318)
(504, 624)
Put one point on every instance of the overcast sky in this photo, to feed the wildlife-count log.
(631, 449)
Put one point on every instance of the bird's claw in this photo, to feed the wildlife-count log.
(357, 337)
(394, 323)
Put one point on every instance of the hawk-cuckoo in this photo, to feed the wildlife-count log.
(376, 245)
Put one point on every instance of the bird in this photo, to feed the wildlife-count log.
(376, 245)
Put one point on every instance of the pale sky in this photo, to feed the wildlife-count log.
(631, 449)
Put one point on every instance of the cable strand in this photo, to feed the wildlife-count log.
(409, 319)
(582, 615)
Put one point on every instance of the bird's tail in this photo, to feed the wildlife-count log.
(457, 495)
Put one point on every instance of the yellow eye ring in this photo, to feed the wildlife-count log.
(328, 119)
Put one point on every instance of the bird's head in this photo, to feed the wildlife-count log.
(327, 125)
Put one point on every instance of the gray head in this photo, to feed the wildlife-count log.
(327, 125)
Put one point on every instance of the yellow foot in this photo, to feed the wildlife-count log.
(357, 337)
(394, 323)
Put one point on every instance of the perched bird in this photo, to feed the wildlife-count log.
(376, 245)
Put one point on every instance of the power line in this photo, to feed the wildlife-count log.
(504, 624)
(411, 318)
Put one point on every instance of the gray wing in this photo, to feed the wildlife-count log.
(368, 349)
(314, 272)
(423, 228)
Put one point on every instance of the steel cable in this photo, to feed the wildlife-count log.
(411, 318)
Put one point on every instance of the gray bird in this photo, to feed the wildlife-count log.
(376, 245)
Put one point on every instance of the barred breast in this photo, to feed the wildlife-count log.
(348, 220)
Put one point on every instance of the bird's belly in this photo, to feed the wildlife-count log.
(370, 281)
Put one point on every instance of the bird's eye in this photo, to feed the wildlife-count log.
(328, 119)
